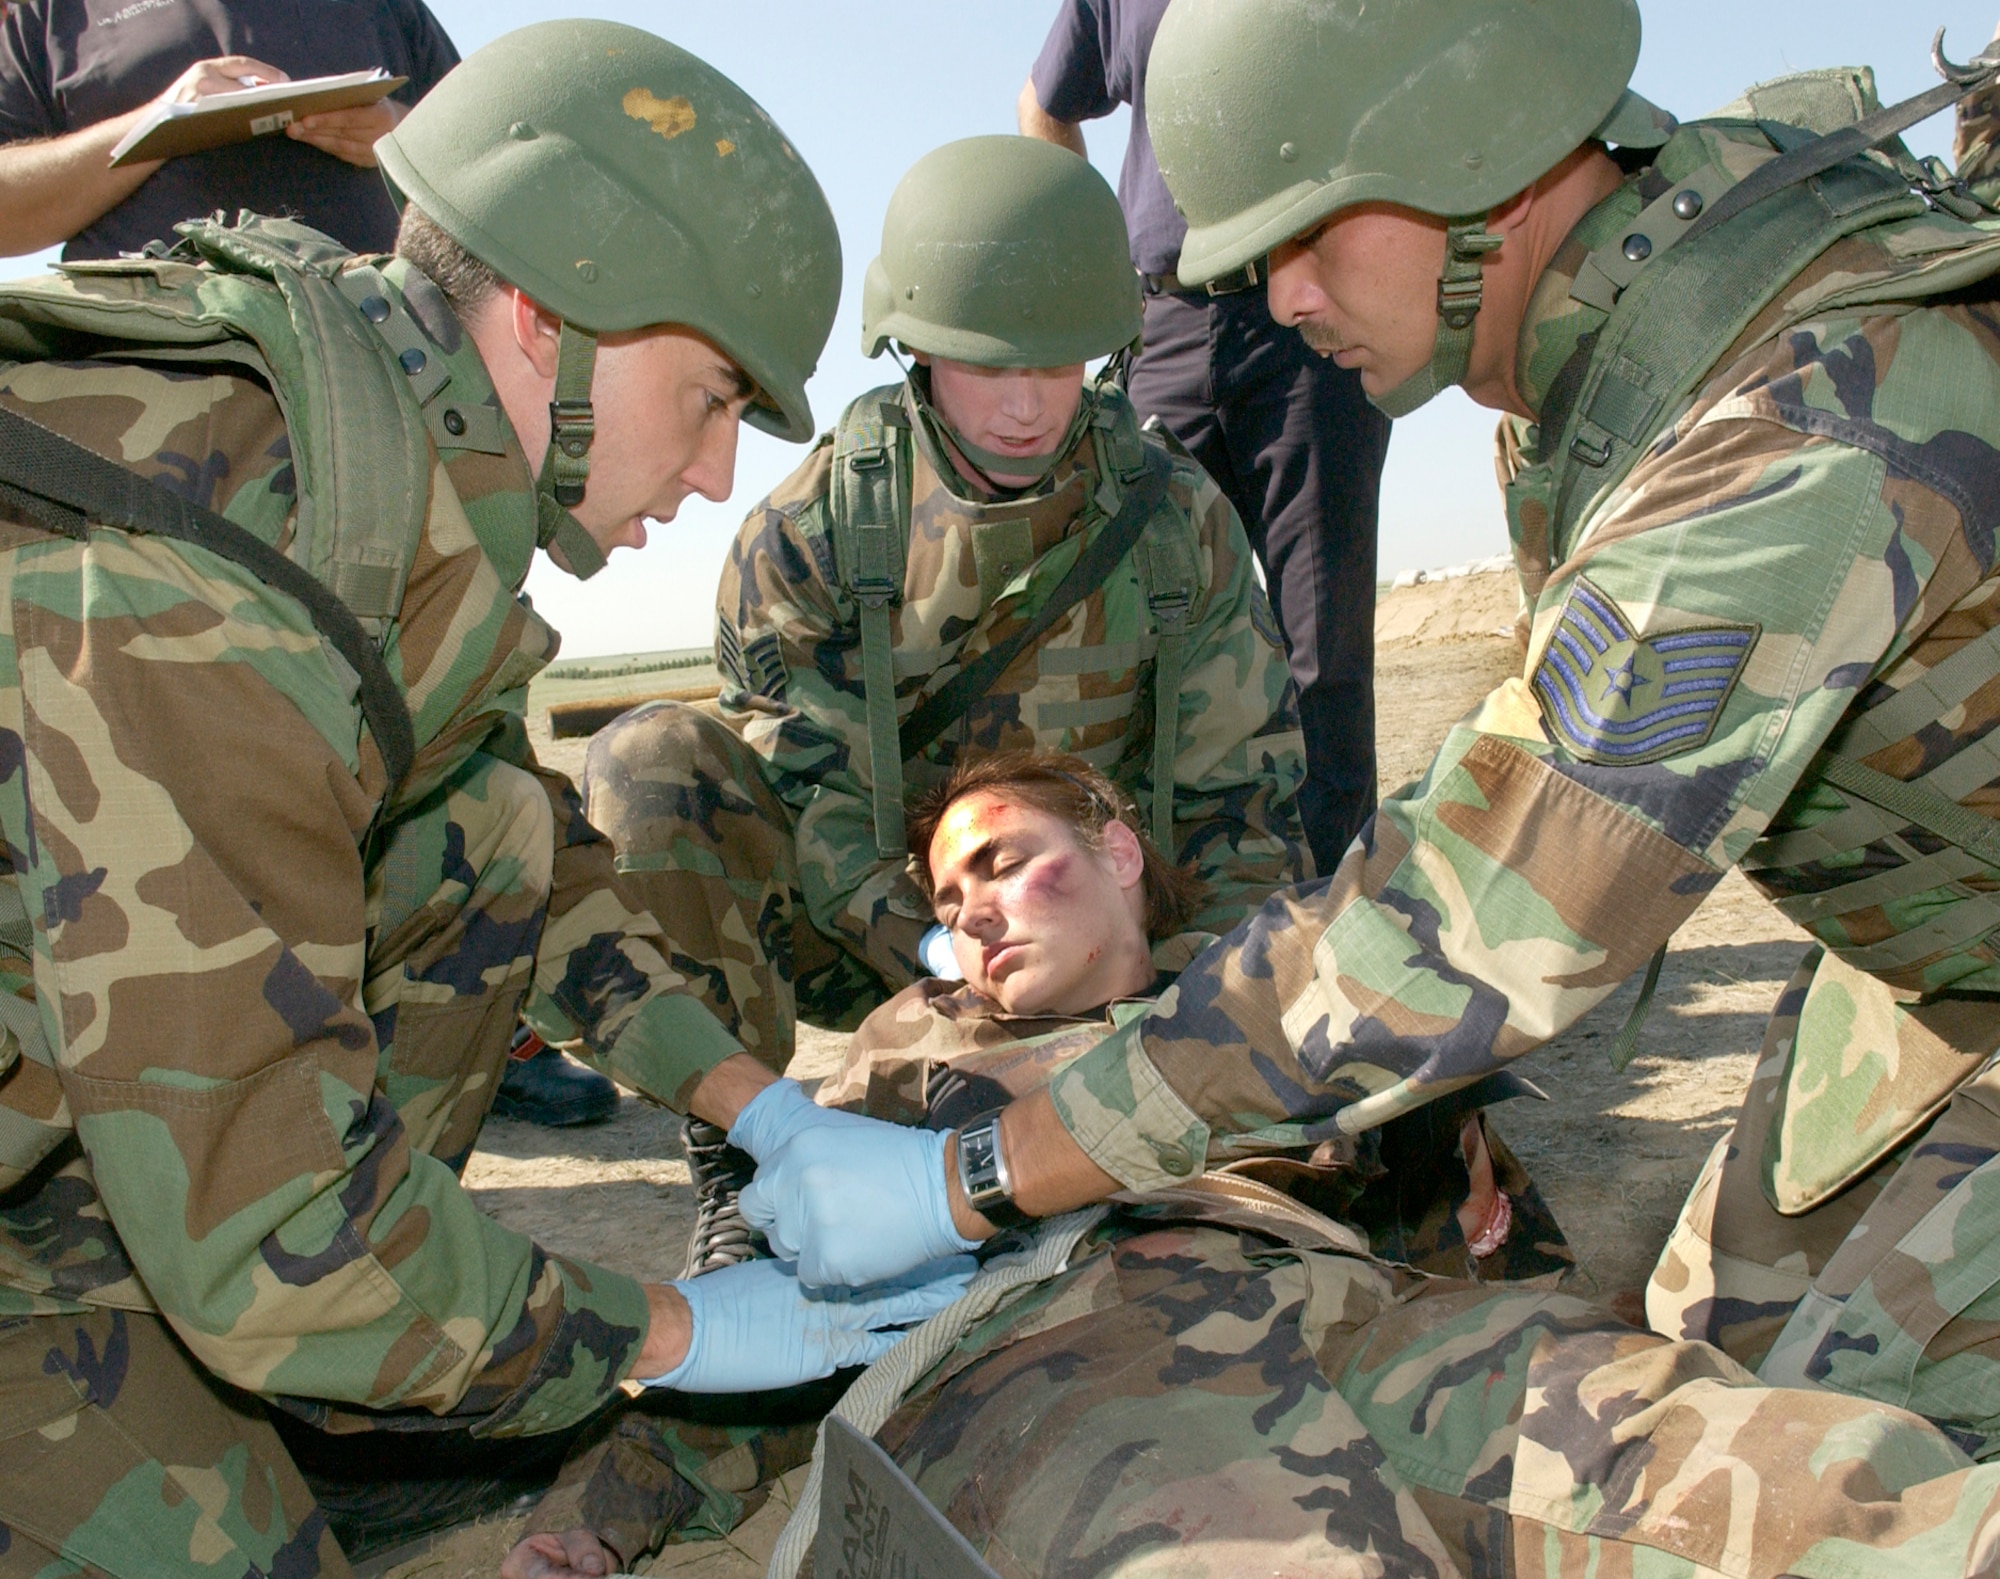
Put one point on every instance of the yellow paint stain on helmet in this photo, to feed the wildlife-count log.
(724, 147)
(668, 117)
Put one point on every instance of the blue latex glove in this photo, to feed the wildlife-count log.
(779, 1112)
(935, 955)
(856, 1203)
(756, 1328)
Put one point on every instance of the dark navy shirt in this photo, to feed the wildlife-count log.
(1094, 61)
(68, 64)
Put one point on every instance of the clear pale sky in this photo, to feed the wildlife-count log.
(864, 90)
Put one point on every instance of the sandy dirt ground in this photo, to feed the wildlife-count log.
(1615, 1152)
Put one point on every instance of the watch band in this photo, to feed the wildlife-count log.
(982, 1174)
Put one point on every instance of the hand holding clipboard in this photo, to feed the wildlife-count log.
(259, 108)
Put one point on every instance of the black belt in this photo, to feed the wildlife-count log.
(1247, 278)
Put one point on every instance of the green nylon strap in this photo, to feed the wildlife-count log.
(1974, 843)
(868, 501)
(1917, 804)
(351, 402)
(1966, 770)
(1683, 310)
(1461, 289)
(878, 679)
(1102, 551)
(1627, 1042)
(992, 462)
(67, 489)
(1799, 165)
(1166, 725)
(1168, 565)
(555, 527)
(566, 464)
(1924, 700)
(1957, 928)
(1917, 875)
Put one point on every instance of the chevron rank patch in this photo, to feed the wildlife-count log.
(1613, 697)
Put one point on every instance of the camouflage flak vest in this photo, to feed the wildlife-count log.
(869, 507)
(348, 366)
(1676, 313)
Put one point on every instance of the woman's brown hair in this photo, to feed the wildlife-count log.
(1071, 790)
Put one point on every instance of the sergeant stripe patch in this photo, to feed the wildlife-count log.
(1613, 697)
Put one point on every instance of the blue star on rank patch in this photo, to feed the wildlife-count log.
(1613, 697)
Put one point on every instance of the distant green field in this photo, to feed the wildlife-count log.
(626, 674)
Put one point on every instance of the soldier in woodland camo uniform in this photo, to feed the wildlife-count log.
(764, 843)
(1229, 1384)
(1751, 483)
(261, 972)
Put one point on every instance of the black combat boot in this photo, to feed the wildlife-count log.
(719, 1170)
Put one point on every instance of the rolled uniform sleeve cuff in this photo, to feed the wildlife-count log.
(595, 1342)
(666, 1048)
(1126, 1118)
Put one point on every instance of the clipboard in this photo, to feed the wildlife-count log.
(223, 118)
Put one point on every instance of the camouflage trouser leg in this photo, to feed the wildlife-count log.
(713, 854)
(1890, 1290)
(118, 1456)
(1187, 1404)
(456, 902)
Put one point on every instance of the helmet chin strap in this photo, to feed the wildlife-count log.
(1460, 290)
(989, 462)
(566, 465)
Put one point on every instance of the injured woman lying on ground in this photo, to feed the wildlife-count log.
(1297, 1362)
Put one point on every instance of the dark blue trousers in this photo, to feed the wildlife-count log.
(1294, 444)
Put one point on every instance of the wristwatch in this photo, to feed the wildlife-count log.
(982, 1174)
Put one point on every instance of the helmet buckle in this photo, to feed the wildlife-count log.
(573, 424)
(1458, 301)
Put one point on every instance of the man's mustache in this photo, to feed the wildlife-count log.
(1321, 339)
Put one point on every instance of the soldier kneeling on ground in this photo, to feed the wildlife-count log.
(991, 553)
(282, 874)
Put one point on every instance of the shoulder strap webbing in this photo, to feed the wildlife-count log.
(1695, 296)
(869, 503)
(363, 375)
(65, 487)
(1170, 569)
(1686, 308)
(1100, 555)
(1802, 163)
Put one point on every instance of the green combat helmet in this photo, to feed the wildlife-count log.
(1270, 115)
(1003, 252)
(623, 183)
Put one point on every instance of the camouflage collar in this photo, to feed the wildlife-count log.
(465, 415)
(1554, 321)
(969, 1003)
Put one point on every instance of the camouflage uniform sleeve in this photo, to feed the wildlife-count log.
(1721, 610)
(186, 833)
(1240, 758)
(785, 648)
(603, 986)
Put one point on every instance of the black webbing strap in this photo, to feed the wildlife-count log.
(66, 488)
(1113, 542)
(1823, 153)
